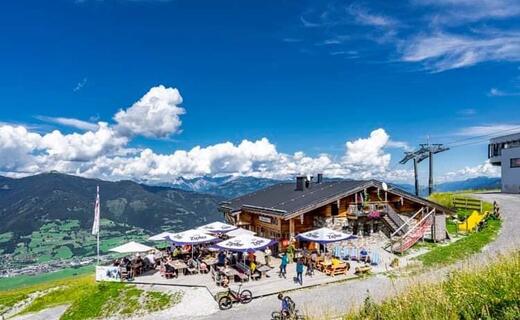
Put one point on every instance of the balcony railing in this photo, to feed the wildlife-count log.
(363, 210)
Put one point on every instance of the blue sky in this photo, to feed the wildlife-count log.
(308, 76)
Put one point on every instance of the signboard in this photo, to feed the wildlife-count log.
(265, 219)
(108, 273)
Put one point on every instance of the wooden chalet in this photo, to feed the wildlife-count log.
(354, 206)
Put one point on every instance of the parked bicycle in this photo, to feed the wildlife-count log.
(242, 296)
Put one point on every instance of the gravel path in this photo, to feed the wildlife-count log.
(334, 299)
(47, 314)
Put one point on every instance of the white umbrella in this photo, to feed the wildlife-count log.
(190, 237)
(217, 227)
(324, 235)
(240, 232)
(160, 237)
(245, 243)
(131, 247)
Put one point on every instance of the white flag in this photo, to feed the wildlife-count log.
(95, 226)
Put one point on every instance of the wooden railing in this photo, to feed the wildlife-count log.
(414, 234)
(406, 223)
(466, 203)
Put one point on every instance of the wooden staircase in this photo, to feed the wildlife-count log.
(400, 242)
(394, 223)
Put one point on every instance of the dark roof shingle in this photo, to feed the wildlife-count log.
(284, 197)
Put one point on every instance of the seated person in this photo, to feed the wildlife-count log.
(252, 268)
(177, 252)
(170, 270)
(335, 263)
(203, 267)
(221, 257)
(363, 254)
(251, 257)
(225, 281)
(150, 258)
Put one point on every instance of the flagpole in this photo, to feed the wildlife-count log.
(98, 248)
(95, 225)
(99, 222)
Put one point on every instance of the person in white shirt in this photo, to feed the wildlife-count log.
(267, 256)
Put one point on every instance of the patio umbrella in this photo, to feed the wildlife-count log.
(160, 237)
(245, 243)
(131, 247)
(217, 227)
(240, 232)
(324, 235)
(191, 237)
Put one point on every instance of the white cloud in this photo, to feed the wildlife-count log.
(82, 147)
(16, 146)
(399, 145)
(455, 12)
(80, 85)
(442, 51)
(364, 17)
(490, 129)
(365, 153)
(485, 169)
(104, 153)
(155, 115)
(494, 92)
(70, 122)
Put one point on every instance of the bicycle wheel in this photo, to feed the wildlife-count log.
(276, 315)
(246, 296)
(225, 303)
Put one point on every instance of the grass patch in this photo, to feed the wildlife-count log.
(491, 292)
(155, 301)
(29, 281)
(460, 249)
(88, 299)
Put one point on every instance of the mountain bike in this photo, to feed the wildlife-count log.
(242, 296)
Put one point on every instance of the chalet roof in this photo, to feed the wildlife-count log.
(284, 200)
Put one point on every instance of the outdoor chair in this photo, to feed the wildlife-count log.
(255, 276)
(191, 270)
(124, 273)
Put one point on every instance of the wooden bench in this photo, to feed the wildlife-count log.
(243, 272)
(342, 268)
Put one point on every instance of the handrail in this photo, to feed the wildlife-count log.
(406, 223)
(419, 223)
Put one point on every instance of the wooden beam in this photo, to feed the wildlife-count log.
(291, 228)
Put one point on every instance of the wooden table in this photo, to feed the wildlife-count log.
(210, 261)
(179, 265)
(263, 270)
(230, 273)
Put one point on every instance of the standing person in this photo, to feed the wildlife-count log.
(299, 271)
(283, 265)
(267, 257)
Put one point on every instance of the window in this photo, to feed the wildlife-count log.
(515, 163)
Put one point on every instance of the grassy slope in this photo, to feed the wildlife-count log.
(473, 243)
(470, 244)
(491, 292)
(88, 299)
(26, 281)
